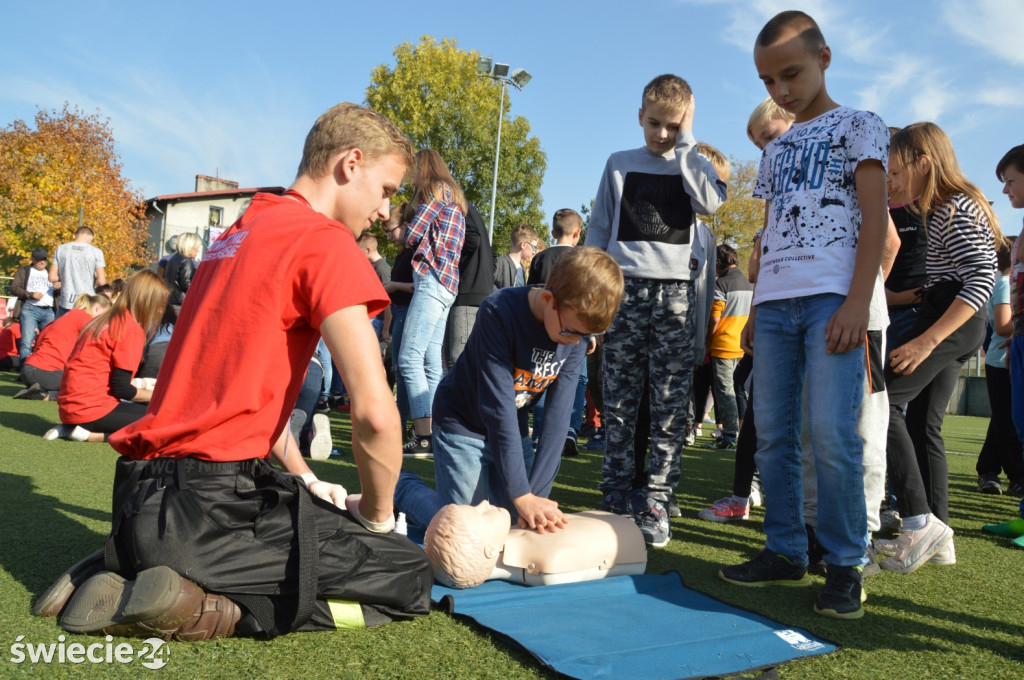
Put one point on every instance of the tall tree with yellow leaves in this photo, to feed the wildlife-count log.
(64, 169)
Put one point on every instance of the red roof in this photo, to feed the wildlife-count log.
(214, 194)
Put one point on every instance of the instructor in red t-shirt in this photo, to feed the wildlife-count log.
(265, 550)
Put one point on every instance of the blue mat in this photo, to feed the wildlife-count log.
(648, 627)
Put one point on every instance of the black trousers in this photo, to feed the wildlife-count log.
(234, 529)
(915, 452)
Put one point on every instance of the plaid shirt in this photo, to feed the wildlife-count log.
(437, 232)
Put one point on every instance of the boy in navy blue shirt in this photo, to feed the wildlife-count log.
(525, 343)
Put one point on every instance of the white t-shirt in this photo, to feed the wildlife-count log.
(809, 245)
(39, 282)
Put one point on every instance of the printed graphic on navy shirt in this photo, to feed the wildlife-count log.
(655, 208)
(531, 382)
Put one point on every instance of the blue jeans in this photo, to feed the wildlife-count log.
(328, 366)
(398, 314)
(464, 473)
(789, 335)
(32, 318)
(420, 358)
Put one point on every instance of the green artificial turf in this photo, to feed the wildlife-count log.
(962, 621)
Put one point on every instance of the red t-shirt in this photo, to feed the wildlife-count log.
(247, 330)
(54, 344)
(9, 340)
(85, 387)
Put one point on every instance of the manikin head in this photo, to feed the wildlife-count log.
(463, 542)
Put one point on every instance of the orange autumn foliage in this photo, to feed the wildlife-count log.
(49, 174)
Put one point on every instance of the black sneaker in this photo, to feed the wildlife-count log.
(615, 502)
(33, 391)
(1016, 488)
(989, 483)
(673, 507)
(570, 450)
(420, 446)
(322, 406)
(652, 518)
(767, 569)
(843, 596)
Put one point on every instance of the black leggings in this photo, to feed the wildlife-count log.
(48, 380)
(915, 453)
(124, 414)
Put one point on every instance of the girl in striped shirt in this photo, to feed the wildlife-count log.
(922, 372)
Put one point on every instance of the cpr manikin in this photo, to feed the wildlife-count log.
(468, 544)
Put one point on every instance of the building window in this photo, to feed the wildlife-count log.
(216, 216)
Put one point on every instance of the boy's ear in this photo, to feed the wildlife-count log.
(825, 57)
(640, 116)
(346, 164)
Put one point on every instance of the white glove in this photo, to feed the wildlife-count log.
(352, 505)
(335, 494)
(144, 383)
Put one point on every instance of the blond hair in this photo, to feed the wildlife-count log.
(944, 179)
(524, 232)
(717, 159)
(667, 90)
(145, 297)
(348, 126)
(589, 281)
(85, 302)
(766, 112)
(189, 243)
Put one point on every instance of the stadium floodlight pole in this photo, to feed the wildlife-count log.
(487, 68)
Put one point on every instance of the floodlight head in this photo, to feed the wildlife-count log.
(483, 65)
(520, 77)
(500, 70)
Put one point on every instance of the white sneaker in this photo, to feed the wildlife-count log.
(916, 546)
(321, 444)
(690, 439)
(697, 432)
(944, 555)
(79, 434)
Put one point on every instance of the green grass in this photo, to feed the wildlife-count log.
(963, 621)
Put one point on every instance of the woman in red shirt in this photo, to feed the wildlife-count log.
(98, 395)
(43, 369)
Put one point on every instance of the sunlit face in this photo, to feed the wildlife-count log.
(793, 75)
(661, 126)
(905, 182)
(763, 133)
(373, 182)
(562, 323)
(1013, 186)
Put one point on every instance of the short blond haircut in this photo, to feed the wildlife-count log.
(589, 281)
(189, 243)
(717, 159)
(766, 112)
(524, 232)
(348, 126)
(667, 90)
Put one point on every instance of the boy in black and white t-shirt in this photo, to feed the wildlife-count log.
(820, 255)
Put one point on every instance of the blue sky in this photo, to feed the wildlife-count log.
(232, 88)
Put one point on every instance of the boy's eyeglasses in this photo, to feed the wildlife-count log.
(565, 332)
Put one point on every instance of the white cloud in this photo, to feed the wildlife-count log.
(993, 25)
(1002, 96)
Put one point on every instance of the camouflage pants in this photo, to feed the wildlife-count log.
(650, 341)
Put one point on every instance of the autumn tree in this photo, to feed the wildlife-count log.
(64, 169)
(433, 93)
(742, 215)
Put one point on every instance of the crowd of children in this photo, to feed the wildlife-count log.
(870, 284)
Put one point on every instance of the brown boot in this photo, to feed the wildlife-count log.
(158, 603)
(57, 595)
